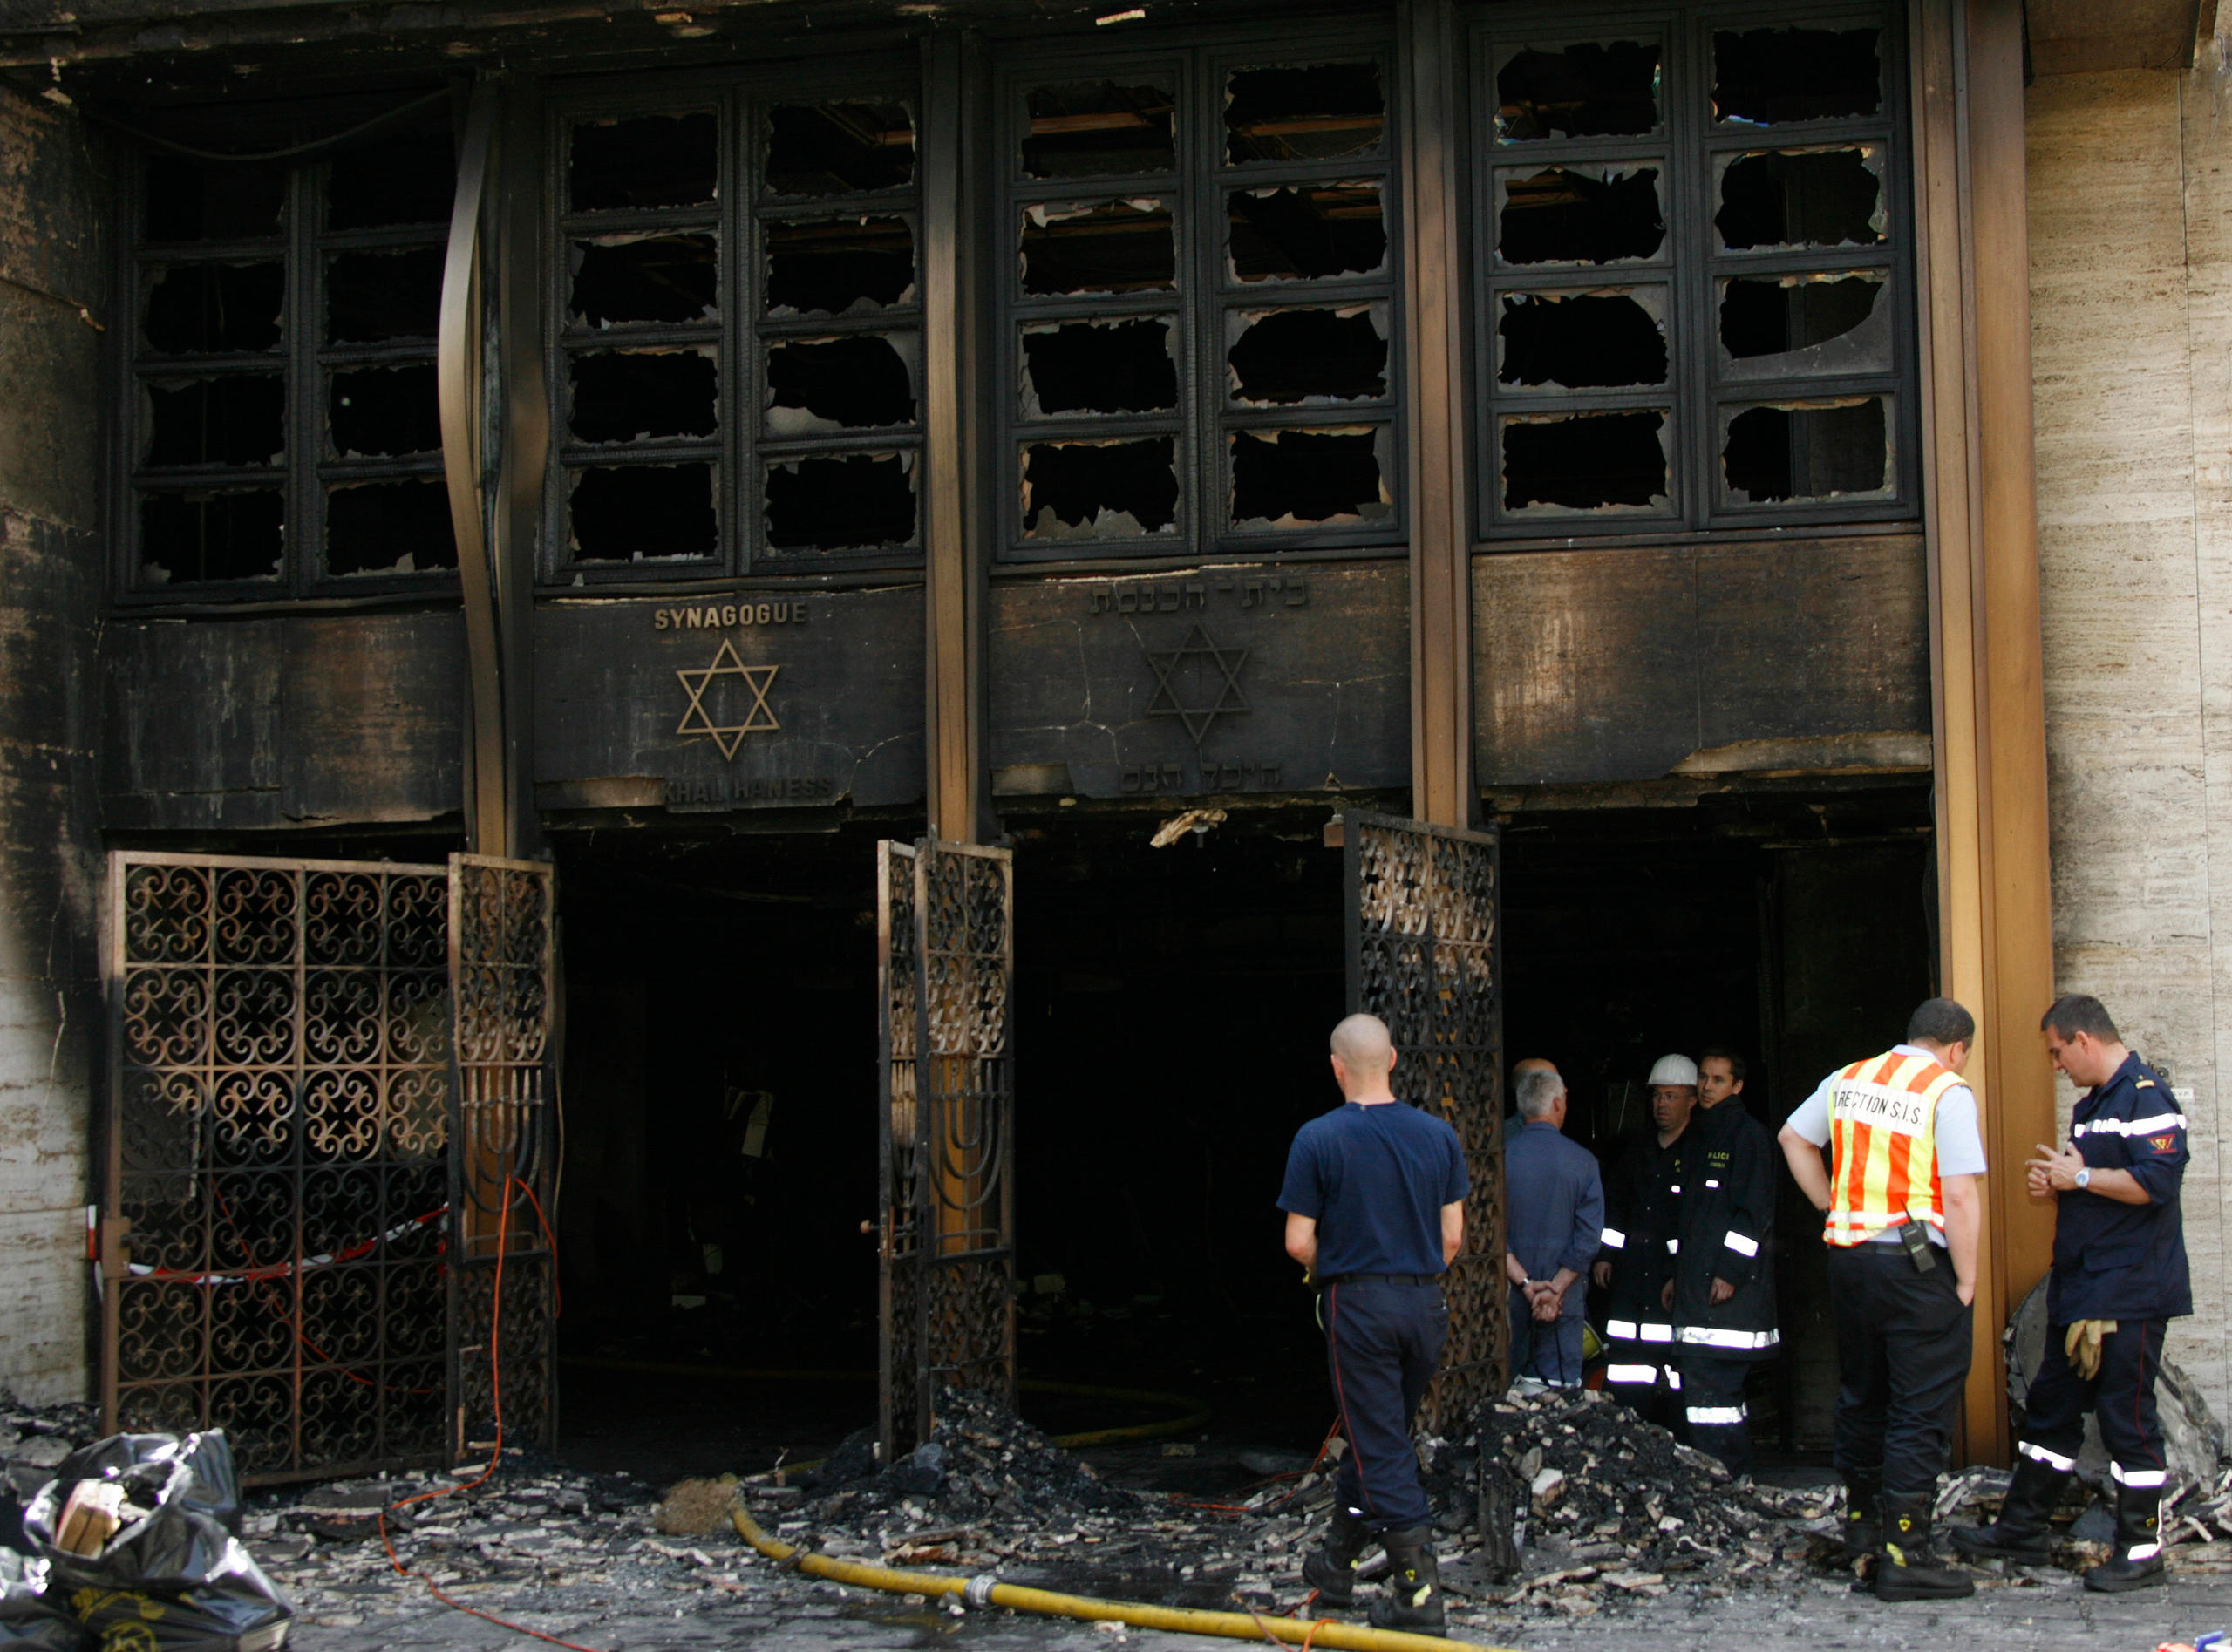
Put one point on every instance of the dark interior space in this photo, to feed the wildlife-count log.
(396, 526)
(1289, 355)
(624, 513)
(1762, 76)
(1104, 247)
(841, 502)
(1589, 89)
(407, 178)
(625, 396)
(1312, 111)
(1100, 366)
(1582, 214)
(839, 148)
(1585, 461)
(1802, 198)
(189, 200)
(1088, 128)
(854, 383)
(1306, 232)
(376, 297)
(1816, 450)
(645, 278)
(838, 266)
(381, 412)
(1287, 478)
(1580, 341)
(221, 533)
(237, 419)
(1768, 314)
(1085, 490)
(643, 161)
(198, 310)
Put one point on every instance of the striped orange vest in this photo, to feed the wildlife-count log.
(1883, 1145)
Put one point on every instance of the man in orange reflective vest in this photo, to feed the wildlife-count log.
(1900, 1192)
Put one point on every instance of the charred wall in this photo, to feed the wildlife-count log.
(54, 182)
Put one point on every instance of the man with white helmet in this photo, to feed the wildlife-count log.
(1634, 1265)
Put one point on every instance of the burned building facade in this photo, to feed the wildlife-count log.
(963, 578)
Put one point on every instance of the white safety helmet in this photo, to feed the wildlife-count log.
(1674, 1070)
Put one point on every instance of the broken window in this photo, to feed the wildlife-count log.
(383, 411)
(1586, 461)
(400, 527)
(238, 419)
(408, 178)
(819, 385)
(1592, 213)
(1303, 479)
(648, 277)
(1287, 357)
(644, 514)
(374, 297)
(1305, 232)
(839, 148)
(1094, 128)
(1101, 246)
(193, 537)
(841, 502)
(1081, 490)
(1802, 198)
(1614, 398)
(839, 266)
(1583, 340)
(643, 161)
(1788, 452)
(189, 200)
(644, 395)
(1315, 111)
(1588, 89)
(1766, 76)
(195, 310)
(1122, 366)
(1804, 316)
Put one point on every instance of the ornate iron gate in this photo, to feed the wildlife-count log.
(277, 1244)
(946, 1126)
(1425, 957)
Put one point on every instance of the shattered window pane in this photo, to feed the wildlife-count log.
(651, 277)
(643, 161)
(1091, 128)
(643, 512)
(1300, 232)
(398, 527)
(1833, 448)
(409, 179)
(1591, 461)
(853, 502)
(188, 200)
(1590, 213)
(1583, 340)
(1302, 479)
(839, 266)
(233, 533)
(1777, 315)
(1764, 77)
(1316, 112)
(377, 298)
(1802, 198)
(238, 419)
(205, 309)
(1102, 246)
(382, 411)
(861, 382)
(1591, 89)
(1125, 366)
(839, 148)
(1079, 490)
(1283, 358)
(630, 396)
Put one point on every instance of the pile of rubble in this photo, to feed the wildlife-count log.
(35, 1438)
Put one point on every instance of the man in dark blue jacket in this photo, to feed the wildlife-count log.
(1375, 1203)
(2118, 1278)
(1555, 1197)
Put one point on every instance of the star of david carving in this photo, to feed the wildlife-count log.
(1197, 683)
(761, 717)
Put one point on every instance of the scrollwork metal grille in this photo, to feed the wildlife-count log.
(1425, 956)
(502, 930)
(949, 1221)
(276, 1162)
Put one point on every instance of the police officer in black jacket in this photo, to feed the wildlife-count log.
(2119, 1279)
(1724, 1294)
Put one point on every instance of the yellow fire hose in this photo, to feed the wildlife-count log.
(985, 1590)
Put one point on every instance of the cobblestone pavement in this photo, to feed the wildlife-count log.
(762, 1606)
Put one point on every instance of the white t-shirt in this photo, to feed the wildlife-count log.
(1960, 1148)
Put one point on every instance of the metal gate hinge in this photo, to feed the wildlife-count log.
(114, 1259)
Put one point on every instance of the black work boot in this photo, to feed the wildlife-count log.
(1905, 1568)
(1333, 1569)
(2137, 1559)
(2022, 1532)
(1862, 1528)
(1413, 1582)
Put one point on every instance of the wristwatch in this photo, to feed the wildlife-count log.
(2083, 1178)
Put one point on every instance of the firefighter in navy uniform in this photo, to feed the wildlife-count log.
(1634, 1262)
(1724, 1286)
(2119, 1279)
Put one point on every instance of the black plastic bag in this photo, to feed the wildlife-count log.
(30, 1622)
(174, 1577)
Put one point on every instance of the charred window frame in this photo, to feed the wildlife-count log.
(716, 409)
(1693, 243)
(1210, 364)
(280, 435)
